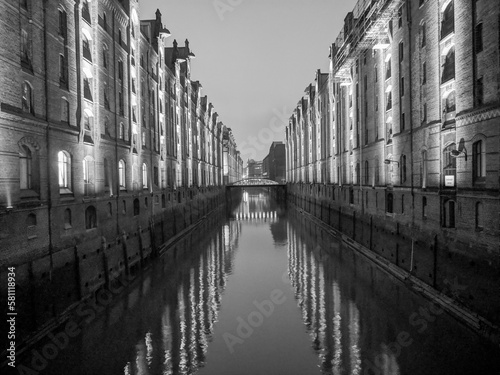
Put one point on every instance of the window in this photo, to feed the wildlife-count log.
(90, 217)
(105, 57)
(106, 97)
(448, 20)
(479, 92)
(402, 203)
(63, 24)
(401, 52)
(88, 176)
(377, 172)
(358, 174)
(64, 168)
(110, 209)
(25, 168)
(424, 169)
(478, 37)
(27, 101)
(87, 122)
(67, 218)
(120, 37)
(367, 173)
(478, 162)
(388, 100)
(423, 35)
(424, 73)
(24, 4)
(388, 69)
(390, 203)
(63, 72)
(400, 17)
(86, 11)
(402, 169)
(448, 213)
(137, 207)
(120, 71)
(155, 176)
(86, 47)
(144, 176)
(479, 216)
(107, 176)
(121, 133)
(31, 220)
(64, 111)
(449, 166)
(448, 67)
(424, 207)
(120, 104)
(26, 50)
(87, 87)
(124, 207)
(121, 174)
(402, 122)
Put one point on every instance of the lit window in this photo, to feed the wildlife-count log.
(144, 176)
(448, 20)
(121, 174)
(448, 68)
(64, 167)
(25, 167)
(64, 111)
(27, 101)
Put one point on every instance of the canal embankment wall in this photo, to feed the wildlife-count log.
(432, 262)
(50, 284)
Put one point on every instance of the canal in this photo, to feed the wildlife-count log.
(263, 291)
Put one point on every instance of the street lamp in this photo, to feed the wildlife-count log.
(389, 161)
(165, 32)
(456, 153)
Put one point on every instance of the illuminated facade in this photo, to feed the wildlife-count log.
(403, 137)
(232, 161)
(108, 147)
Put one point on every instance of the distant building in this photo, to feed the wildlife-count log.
(274, 164)
(254, 169)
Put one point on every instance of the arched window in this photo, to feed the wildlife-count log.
(121, 174)
(27, 102)
(388, 68)
(448, 67)
(25, 168)
(448, 20)
(424, 207)
(478, 162)
(137, 208)
(390, 203)
(122, 131)
(105, 56)
(64, 168)
(351, 196)
(449, 166)
(90, 217)
(64, 111)
(450, 105)
(358, 174)
(144, 176)
(479, 216)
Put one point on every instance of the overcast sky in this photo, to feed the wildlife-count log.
(254, 58)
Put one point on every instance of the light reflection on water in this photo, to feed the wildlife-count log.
(341, 315)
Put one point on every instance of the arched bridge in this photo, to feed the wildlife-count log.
(255, 182)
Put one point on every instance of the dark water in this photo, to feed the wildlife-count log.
(265, 292)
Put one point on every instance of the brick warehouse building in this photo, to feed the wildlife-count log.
(108, 148)
(398, 146)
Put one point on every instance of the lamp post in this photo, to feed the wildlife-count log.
(389, 161)
(456, 153)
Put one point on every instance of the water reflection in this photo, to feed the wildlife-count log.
(341, 316)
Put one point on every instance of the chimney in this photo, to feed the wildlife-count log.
(187, 45)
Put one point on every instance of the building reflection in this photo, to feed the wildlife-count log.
(190, 308)
(256, 206)
(330, 307)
